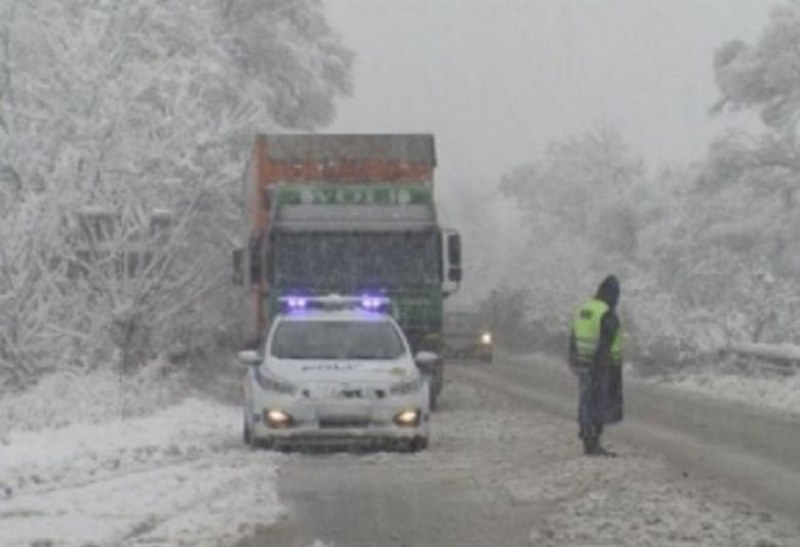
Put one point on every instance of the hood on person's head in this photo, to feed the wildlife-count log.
(608, 291)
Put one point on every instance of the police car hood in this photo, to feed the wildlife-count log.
(368, 371)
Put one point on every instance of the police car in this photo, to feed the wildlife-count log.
(335, 371)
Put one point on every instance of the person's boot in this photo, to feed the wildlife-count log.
(588, 445)
(598, 450)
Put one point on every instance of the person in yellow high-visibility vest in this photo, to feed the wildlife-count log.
(595, 356)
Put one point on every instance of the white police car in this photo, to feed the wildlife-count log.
(337, 372)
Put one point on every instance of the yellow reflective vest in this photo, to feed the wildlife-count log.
(586, 330)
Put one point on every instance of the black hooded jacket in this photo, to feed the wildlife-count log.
(608, 292)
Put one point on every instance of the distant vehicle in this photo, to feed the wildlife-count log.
(336, 372)
(348, 214)
(467, 335)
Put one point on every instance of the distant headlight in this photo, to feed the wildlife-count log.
(408, 418)
(277, 419)
(486, 338)
(404, 388)
(270, 384)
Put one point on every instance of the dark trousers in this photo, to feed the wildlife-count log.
(590, 417)
(599, 400)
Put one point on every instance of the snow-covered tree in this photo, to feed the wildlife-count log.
(764, 76)
(578, 184)
(578, 202)
(762, 170)
(707, 254)
(752, 230)
(162, 89)
(29, 336)
(142, 105)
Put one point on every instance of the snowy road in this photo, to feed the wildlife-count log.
(752, 451)
(505, 469)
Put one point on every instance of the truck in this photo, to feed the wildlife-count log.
(349, 214)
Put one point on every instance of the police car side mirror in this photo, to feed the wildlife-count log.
(426, 360)
(249, 357)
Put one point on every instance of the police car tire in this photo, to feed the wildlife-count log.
(263, 443)
(247, 433)
(419, 444)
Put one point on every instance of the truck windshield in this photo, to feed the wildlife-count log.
(350, 262)
(336, 340)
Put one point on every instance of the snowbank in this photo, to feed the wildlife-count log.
(757, 383)
(71, 396)
(171, 476)
(779, 352)
(781, 394)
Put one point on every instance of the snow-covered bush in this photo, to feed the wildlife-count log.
(72, 395)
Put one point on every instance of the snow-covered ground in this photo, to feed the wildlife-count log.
(173, 471)
(634, 500)
(74, 472)
(501, 472)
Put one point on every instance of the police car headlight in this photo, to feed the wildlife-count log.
(486, 338)
(408, 418)
(404, 388)
(277, 419)
(276, 386)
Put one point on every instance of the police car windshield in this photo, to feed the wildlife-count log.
(378, 340)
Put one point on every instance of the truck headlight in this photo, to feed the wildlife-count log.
(486, 338)
(408, 418)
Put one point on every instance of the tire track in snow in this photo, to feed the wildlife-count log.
(146, 530)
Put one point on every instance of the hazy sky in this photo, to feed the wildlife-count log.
(496, 80)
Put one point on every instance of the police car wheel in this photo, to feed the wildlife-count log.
(247, 433)
(418, 444)
(263, 443)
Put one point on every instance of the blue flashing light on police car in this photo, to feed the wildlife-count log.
(295, 302)
(365, 302)
(374, 303)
